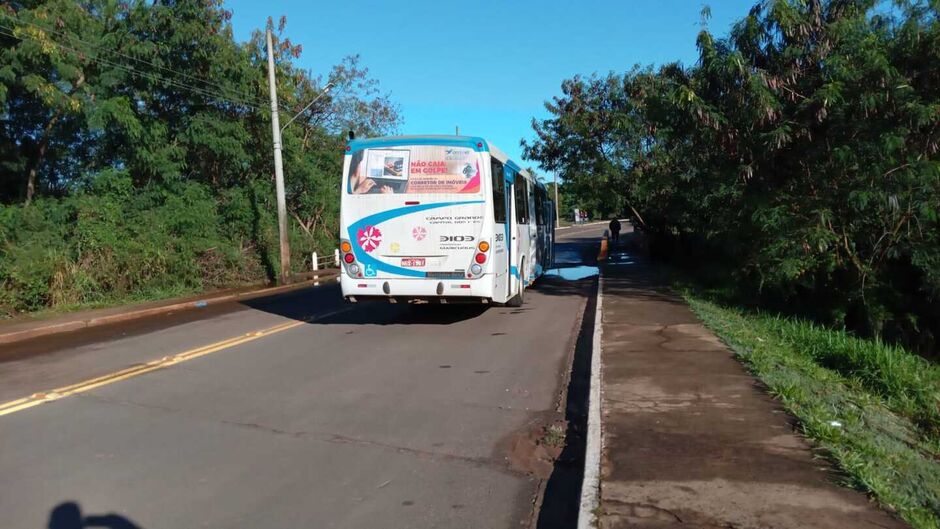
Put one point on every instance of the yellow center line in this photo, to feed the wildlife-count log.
(55, 394)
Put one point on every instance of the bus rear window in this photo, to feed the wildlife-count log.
(415, 169)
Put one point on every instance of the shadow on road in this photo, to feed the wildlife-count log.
(300, 304)
(325, 305)
(68, 515)
(381, 313)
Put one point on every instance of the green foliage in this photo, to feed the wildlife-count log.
(800, 153)
(872, 409)
(115, 242)
(909, 385)
(135, 151)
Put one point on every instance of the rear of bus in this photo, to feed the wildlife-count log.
(415, 224)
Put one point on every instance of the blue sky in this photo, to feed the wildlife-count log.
(487, 66)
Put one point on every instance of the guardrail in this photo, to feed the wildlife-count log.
(318, 262)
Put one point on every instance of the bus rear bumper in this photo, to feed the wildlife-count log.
(414, 300)
(417, 290)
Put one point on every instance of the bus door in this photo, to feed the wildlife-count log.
(531, 228)
(520, 232)
(550, 221)
(501, 230)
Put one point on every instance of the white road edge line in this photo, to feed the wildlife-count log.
(590, 485)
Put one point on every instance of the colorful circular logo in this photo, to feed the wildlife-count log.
(369, 238)
(419, 233)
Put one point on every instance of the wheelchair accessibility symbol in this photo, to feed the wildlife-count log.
(369, 271)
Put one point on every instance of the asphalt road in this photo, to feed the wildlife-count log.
(367, 415)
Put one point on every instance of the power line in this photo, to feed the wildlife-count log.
(157, 78)
(149, 75)
(229, 93)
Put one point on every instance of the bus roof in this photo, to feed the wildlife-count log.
(476, 143)
(471, 142)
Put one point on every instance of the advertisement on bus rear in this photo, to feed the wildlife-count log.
(417, 169)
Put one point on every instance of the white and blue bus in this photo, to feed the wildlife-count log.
(440, 219)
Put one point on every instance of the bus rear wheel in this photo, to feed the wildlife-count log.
(519, 298)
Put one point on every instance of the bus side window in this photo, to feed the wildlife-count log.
(522, 199)
(499, 191)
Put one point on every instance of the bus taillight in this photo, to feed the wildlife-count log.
(483, 246)
(480, 258)
(349, 258)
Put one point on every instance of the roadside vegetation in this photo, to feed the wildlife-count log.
(135, 151)
(869, 407)
(798, 159)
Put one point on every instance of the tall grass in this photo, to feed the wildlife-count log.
(909, 384)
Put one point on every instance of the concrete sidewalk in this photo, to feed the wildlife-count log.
(689, 437)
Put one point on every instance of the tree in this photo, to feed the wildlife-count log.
(800, 153)
(135, 149)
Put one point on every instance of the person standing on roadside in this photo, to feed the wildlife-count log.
(614, 231)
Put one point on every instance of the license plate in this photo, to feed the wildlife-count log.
(412, 261)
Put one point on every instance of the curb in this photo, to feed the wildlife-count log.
(590, 484)
(62, 327)
(581, 225)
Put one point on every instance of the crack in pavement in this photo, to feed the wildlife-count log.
(328, 437)
(639, 510)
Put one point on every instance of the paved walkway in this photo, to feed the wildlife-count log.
(690, 439)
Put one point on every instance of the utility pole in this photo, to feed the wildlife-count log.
(557, 218)
(278, 167)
